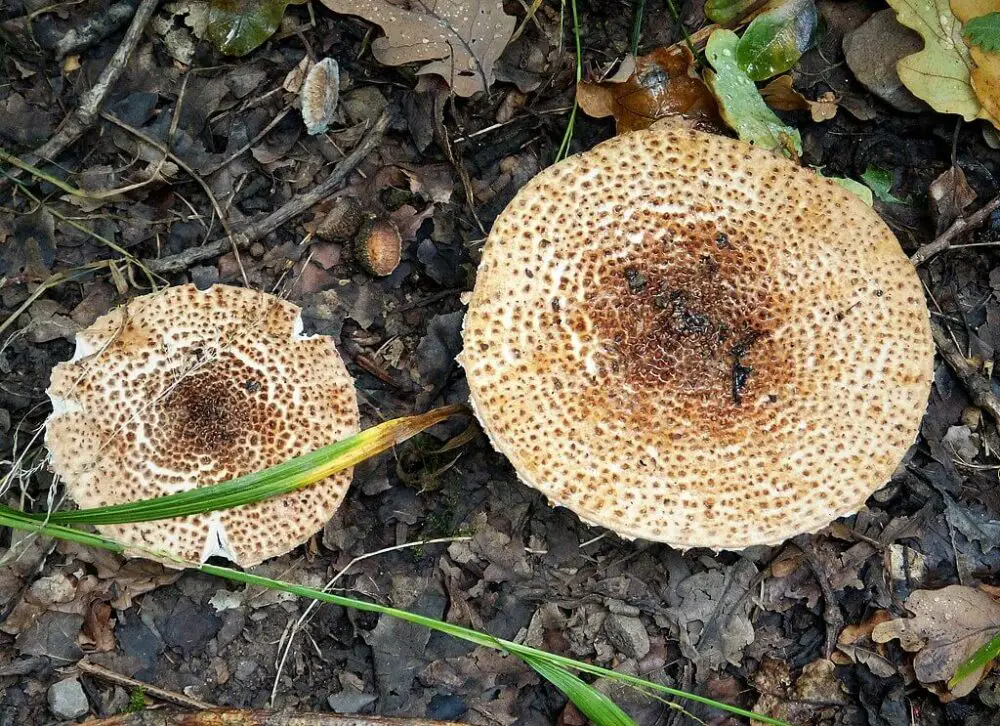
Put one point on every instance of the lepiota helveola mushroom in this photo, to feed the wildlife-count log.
(686, 339)
(182, 388)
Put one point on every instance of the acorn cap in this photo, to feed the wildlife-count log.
(183, 388)
(686, 339)
(342, 221)
(378, 246)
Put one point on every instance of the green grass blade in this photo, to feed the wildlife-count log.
(18, 520)
(592, 703)
(980, 659)
(285, 477)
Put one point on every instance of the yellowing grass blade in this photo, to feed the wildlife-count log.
(286, 477)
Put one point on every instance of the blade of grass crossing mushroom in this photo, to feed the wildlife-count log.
(18, 520)
(592, 703)
(568, 136)
(980, 659)
(285, 477)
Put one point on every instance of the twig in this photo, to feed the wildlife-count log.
(161, 694)
(167, 153)
(248, 233)
(90, 103)
(976, 384)
(246, 147)
(960, 225)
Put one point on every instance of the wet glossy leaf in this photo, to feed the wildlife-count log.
(236, 27)
(942, 73)
(775, 40)
(880, 182)
(724, 12)
(856, 187)
(984, 32)
(664, 83)
(740, 103)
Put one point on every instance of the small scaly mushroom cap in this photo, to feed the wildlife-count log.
(183, 388)
(686, 339)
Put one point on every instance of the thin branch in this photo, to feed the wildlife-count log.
(86, 113)
(160, 694)
(960, 225)
(249, 233)
(977, 385)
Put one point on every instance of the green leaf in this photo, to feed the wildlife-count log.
(592, 703)
(977, 662)
(853, 186)
(940, 73)
(18, 520)
(984, 32)
(236, 27)
(725, 12)
(285, 477)
(775, 40)
(880, 182)
(740, 103)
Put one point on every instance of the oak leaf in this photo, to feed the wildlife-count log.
(459, 40)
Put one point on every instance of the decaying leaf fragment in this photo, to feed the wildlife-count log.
(780, 95)
(948, 626)
(950, 194)
(459, 40)
(740, 103)
(664, 83)
(941, 73)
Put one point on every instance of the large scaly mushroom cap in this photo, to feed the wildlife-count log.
(690, 340)
(182, 388)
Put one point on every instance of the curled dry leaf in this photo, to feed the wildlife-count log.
(459, 40)
(740, 103)
(949, 194)
(780, 96)
(948, 626)
(664, 83)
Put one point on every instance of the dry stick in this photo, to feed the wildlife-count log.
(977, 385)
(168, 154)
(161, 694)
(248, 233)
(90, 103)
(960, 225)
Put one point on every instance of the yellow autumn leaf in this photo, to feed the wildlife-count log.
(985, 76)
(941, 73)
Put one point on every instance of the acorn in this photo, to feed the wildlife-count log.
(378, 246)
(342, 221)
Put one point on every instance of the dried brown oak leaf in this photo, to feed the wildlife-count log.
(459, 40)
(664, 83)
(948, 626)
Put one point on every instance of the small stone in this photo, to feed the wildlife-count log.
(204, 276)
(363, 105)
(350, 702)
(67, 699)
(627, 634)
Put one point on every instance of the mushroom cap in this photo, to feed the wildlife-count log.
(183, 388)
(686, 339)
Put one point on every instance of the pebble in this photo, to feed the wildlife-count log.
(67, 699)
(627, 634)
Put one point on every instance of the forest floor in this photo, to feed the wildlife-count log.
(784, 629)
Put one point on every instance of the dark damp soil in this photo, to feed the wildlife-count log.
(755, 628)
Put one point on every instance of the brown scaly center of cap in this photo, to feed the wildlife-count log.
(688, 310)
(215, 409)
